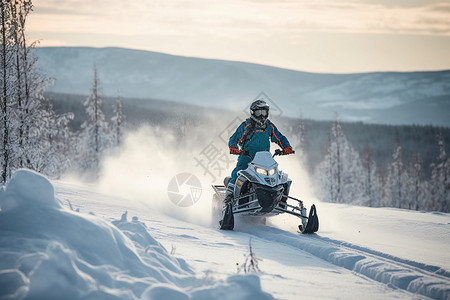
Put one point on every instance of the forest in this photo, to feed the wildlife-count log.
(358, 163)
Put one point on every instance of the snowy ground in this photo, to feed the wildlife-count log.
(357, 253)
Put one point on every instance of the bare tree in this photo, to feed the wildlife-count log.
(23, 71)
(6, 66)
(250, 264)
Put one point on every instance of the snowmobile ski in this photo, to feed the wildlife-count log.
(313, 222)
(227, 222)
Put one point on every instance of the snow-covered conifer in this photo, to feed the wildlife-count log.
(415, 185)
(298, 133)
(372, 191)
(95, 135)
(339, 175)
(440, 179)
(396, 188)
(118, 121)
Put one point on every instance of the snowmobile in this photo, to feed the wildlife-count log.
(262, 190)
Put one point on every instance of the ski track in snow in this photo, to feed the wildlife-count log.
(394, 272)
(415, 277)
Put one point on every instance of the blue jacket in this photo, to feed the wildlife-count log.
(249, 137)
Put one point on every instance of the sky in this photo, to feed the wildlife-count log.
(326, 36)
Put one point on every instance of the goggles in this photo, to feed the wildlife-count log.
(261, 112)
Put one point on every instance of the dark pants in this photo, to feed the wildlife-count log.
(260, 141)
(242, 164)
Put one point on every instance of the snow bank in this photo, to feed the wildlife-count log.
(49, 252)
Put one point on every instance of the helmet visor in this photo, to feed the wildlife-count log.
(261, 112)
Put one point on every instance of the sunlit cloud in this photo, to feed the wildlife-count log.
(237, 17)
(233, 29)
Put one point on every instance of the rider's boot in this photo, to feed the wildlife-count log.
(229, 193)
(227, 222)
(228, 198)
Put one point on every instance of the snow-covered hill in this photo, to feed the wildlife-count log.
(50, 252)
(66, 240)
(388, 97)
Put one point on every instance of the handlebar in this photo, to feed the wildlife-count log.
(242, 152)
(277, 152)
(280, 152)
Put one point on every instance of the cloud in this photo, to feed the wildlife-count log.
(288, 33)
(239, 17)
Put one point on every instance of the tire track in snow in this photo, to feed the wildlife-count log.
(414, 277)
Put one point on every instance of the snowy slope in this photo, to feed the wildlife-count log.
(49, 252)
(388, 97)
(78, 245)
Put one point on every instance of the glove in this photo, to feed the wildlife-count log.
(288, 150)
(234, 150)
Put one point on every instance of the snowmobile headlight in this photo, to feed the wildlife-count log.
(271, 172)
(261, 171)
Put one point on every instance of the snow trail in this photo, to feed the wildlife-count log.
(430, 281)
(289, 259)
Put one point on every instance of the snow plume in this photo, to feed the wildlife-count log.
(147, 162)
(49, 252)
(151, 157)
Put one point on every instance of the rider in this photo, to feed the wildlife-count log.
(254, 135)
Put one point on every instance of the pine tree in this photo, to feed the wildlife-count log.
(396, 179)
(440, 179)
(182, 124)
(339, 175)
(118, 121)
(336, 150)
(298, 133)
(95, 136)
(371, 181)
(324, 175)
(415, 184)
(49, 141)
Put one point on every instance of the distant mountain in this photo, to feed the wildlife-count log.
(386, 98)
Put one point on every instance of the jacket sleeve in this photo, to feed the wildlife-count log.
(238, 135)
(278, 137)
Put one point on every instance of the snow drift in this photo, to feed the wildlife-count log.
(47, 251)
